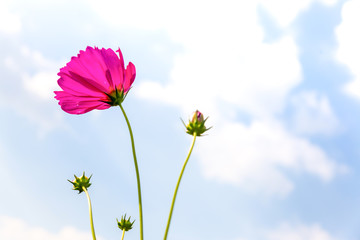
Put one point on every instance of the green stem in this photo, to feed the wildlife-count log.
(177, 187)
(123, 234)
(137, 172)
(90, 213)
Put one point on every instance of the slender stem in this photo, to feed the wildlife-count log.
(90, 213)
(137, 172)
(123, 234)
(177, 187)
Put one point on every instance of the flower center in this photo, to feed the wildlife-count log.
(116, 97)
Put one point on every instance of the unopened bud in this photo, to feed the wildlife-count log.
(80, 182)
(125, 224)
(198, 116)
(197, 124)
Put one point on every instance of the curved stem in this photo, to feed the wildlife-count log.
(177, 187)
(123, 234)
(90, 213)
(137, 172)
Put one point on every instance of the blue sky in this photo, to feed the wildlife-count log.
(279, 79)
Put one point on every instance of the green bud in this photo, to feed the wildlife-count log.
(80, 182)
(197, 124)
(125, 224)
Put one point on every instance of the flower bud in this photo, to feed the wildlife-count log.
(80, 182)
(125, 224)
(197, 124)
(197, 117)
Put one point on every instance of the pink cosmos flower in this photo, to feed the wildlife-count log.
(95, 79)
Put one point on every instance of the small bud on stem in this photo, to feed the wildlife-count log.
(125, 224)
(197, 124)
(80, 182)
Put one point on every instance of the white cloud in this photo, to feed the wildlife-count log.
(10, 22)
(42, 84)
(285, 11)
(16, 229)
(230, 64)
(329, 2)
(313, 114)
(348, 36)
(29, 85)
(170, 15)
(299, 232)
(42, 80)
(255, 157)
(226, 68)
(291, 231)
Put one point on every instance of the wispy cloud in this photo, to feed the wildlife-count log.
(226, 71)
(28, 82)
(313, 114)
(17, 229)
(10, 22)
(348, 36)
(292, 231)
(257, 156)
(299, 232)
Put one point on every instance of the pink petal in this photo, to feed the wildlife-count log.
(77, 85)
(90, 64)
(112, 63)
(79, 105)
(120, 83)
(130, 74)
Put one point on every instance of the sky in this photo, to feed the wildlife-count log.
(278, 79)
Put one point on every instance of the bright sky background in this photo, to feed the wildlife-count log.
(279, 79)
